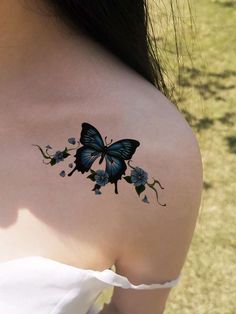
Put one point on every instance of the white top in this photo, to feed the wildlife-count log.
(39, 285)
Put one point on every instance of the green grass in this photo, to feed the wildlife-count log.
(208, 101)
(207, 94)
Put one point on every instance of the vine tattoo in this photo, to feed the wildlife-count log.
(114, 154)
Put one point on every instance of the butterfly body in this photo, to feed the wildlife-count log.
(104, 152)
(93, 147)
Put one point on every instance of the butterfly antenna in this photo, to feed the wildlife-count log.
(106, 141)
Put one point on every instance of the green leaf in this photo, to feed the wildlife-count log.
(65, 154)
(128, 179)
(53, 161)
(139, 189)
(91, 176)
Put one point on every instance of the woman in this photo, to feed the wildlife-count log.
(72, 71)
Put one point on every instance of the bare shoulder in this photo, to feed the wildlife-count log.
(169, 152)
(156, 239)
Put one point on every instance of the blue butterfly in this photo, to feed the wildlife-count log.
(94, 147)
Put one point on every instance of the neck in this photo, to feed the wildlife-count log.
(39, 53)
(25, 35)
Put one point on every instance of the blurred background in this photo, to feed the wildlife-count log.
(196, 43)
(204, 76)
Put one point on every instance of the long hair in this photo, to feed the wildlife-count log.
(125, 28)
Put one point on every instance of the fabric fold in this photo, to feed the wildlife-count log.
(114, 279)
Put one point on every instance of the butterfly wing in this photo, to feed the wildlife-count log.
(92, 149)
(123, 149)
(115, 156)
(85, 156)
(115, 167)
(91, 137)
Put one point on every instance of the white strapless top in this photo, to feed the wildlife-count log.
(39, 285)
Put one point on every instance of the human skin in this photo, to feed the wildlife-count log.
(51, 82)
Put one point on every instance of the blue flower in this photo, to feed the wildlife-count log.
(72, 140)
(145, 199)
(101, 177)
(58, 156)
(138, 176)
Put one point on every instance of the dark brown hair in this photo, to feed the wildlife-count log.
(120, 26)
(124, 28)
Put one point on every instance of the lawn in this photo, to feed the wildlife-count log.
(206, 90)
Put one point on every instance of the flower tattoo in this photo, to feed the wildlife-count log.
(114, 154)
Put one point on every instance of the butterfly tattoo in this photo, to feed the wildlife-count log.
(114, 154)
